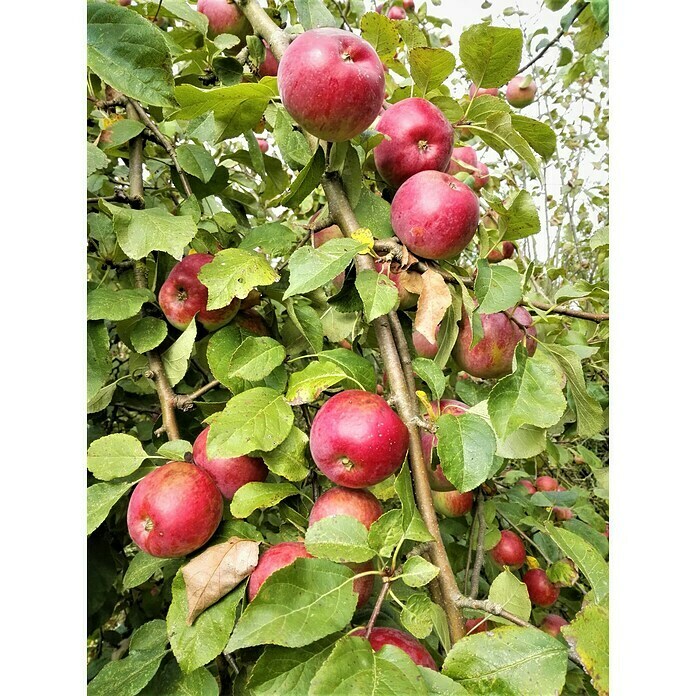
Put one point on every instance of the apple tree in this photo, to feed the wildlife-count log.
(347, 349)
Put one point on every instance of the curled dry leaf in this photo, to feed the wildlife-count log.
(412, 281)
(434, 300)
(217, 571)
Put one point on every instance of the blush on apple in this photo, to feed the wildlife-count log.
(224, 17)
(473, 92)
(453, 503)
(520, 91)
(552, 624)
(505, 251)
(357, 503)
(472, 626)
(396, 13)
(269, 67)
(541, 590)
(380, 637)
(423, 347)
(509, 551)
(274, 558)
(263, 145)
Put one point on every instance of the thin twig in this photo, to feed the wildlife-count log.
(378, 607)
(184, 402)
(478, 561)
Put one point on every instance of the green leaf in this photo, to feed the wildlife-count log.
(291, 143)
(588, 633)
(98, 357)
(358, 369)
(236, 108)
(586, 558)
(141, 231)
(305, 182)
(272, 238)
(440, 685)
(416, 616)
(511, 660)
(175, 358)
(306, 385)
(380, 32)
(171, 681)
(222, 345)
(96, 159)
(126, 677)
(101, 497)
(116, 305)
(540, 136)
(497, 287)
(600, 238)
(198, 644)
(176, 450)
(588, 410)
(466, 447)
(501, 136)
(311, 268)
(257, 419)
(411, 33)
(288, 459)
(142, 567)
(101, 399)
(234, 273)
(430, 67)
(490, 55)
(122, 131)
(432, 375)
(531, 395)
(386, 532)
(303, 602)
(486, 105)
(449, 330)
(339, 538)
(259, 496)
(150, 636)
(511, 594)
(303, 316)
(313, 14)
(412, 523)
(197, 161)
(418, 572)
(374, 213)
(600, 10)
(378, 293)
(521, 218)
(129, 53)
(114, 456)
(256, 358)
(288, 670)
(147, 333)
(354, 669)
(182, 10)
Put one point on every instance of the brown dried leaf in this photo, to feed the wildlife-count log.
(217, 571)
(412, 281)
(433, 302)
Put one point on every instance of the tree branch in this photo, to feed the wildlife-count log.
(378, 607)
(478, 561)
(184, 402)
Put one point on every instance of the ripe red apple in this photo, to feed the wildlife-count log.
(453, 503)
(332, 83)
(438, 481)
(357, 440)
(363, 586)
(527, 485)
(419, 138)
(464, 159)
(541, 590)
(324, 235)
(546, 483)
(396, 13)
(346, 501)
(472, 626)
(398, 276)
(174, 510)
(269, 67)
(435, 215)
(473, 92)
(274, 558)
(552, 624)
(492, 356)
(182, 296)
(506, 251)
(263, 144)
(380, 637)
(423, 347)
(480, 176)
(229, 474)
(519, 96)
(224, 17)
(409, 5)
(509, 551)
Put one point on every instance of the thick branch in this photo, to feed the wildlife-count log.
(478, 561)
(264, 26)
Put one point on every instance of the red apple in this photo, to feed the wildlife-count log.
(453, 503)
(419, 138)
(252, 322)
(492, 356)
(332, 83)
(472, 626)
(546, 483)
(357, 440)
(229, 474)
(363, 586)
(435, 215)
(438, 481)
(182, 296)
(400, 277)
(509, 551)
(464, 159)
(480, 176)
(396, 13)
(269, 67)
(409, 5)
(519, 96)
(606, 531)
(174, 510)
(124, 3)
(496, 255)
(473, 92)
(224, 17)
(274, 558)
(528, 486)
(541, 590)
(380, 637)
(423, 347)
(346, 501)
(552, 624)
(263, 144)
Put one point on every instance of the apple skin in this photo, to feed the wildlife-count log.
(528, 486)
(252, 322)
(461, 157)
(420, 138)
(224, 17)
(269, 67)
(357, 440)
(229, 474)
(492, 356)
(509, 551)
(473, 92)
(321, 237)
(396, 13)
(506, 251)
(438, 481)
(423, 347)
(182, 295)
(552, 624)
(453, 503)
(480, 176)
(409, 5)
(546, 483)
(380, 637)
(517, 96)
(407, 299)
(435, 215)
(124, 3)
(360, 504)
(363, 586)
(472, 626)
(263, 145)
(541, 590)
(174, 510)
(332, 83)
(274, 558)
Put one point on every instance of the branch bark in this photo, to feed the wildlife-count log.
(184, 402)
(378, 607)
